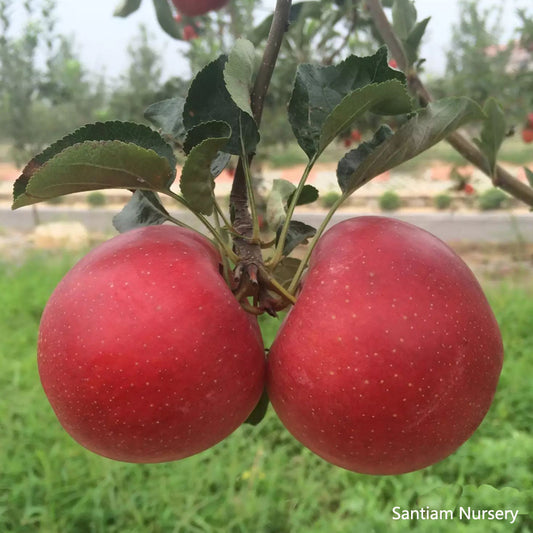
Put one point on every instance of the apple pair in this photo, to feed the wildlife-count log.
(387, 362)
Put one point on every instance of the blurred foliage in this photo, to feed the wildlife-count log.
(46, 91)
(322, 33)
(389, 201)
(481, 66)
(96, 199)
(442, 201)
(142, 83)
(328, 199)
(492, 199)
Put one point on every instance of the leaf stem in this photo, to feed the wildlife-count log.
(281, 290)
(301, 267)
(229, 252)
(278, 253)
(226, 268)
(220, 212)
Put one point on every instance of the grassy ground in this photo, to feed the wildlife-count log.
(258, 480)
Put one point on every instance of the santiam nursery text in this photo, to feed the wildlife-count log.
(462, 513)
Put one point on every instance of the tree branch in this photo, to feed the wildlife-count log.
(248, 273)
(280, 24)
(501, 177)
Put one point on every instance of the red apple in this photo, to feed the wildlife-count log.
(355, 135)
(530, 120)
(189, 33)
(144, 353)
(390, 357)
(193, 8)
(527, 135)
(469, 189)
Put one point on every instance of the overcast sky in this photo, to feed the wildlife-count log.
(102, 39)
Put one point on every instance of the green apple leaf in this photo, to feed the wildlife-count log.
(319, 90)
(281, 196)
(166, 19)
(144, 209)
(308, 195)
(276, 205)
(167, 116)
(210, 130)
(197, 183)
(206, 130)
(298, 234)
(126, 8)
(493, 132)
(220, 163)
(94, 165)
(349, 164)
(429, 126)
(412, 43)
(238, 74)
(403, 18)
(529, 175)
(259, 411)
(208, 100)
(386, 98)
(286, 270)
(127, 132)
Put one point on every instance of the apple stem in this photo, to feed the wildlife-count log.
(228, 226)
(216, 235)
(303, 265)
(278, 253)
(277, 287)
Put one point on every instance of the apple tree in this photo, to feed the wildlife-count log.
(44, 90)
(149, 348)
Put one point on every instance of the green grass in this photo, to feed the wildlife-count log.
(259, 480)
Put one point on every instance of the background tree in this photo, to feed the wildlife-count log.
(320, 33)
(481, 66)
(141, 83)
(44, 89)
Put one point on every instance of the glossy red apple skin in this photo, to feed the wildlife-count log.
(194, 8)
(144, 353)
(390, 358)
